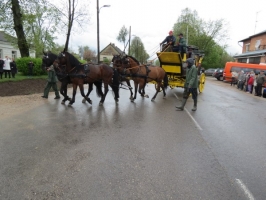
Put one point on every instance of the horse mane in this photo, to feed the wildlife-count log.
(52, 55)
(73, 60)
(134, 59)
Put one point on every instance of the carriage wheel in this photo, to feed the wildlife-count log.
(201, 82)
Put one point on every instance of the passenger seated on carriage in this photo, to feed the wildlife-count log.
(170, 39)
(181, 45)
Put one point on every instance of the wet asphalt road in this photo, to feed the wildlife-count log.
(141, 150)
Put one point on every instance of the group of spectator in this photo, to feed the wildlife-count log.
(249, 81)
(8, 67)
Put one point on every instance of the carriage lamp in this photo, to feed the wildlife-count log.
(98, 31)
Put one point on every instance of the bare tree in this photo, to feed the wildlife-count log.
(76, 12)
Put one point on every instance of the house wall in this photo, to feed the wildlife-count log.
(7, 49)
(253, 41)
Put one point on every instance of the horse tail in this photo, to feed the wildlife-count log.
(165, 81)
(116, 82)
(99, 91)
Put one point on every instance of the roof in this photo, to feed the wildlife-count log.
(2, 36)
(5, 37)
(252, 53)
(115, 47)
(260, 33)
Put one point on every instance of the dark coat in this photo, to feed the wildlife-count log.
(13, 67)
(1, 66)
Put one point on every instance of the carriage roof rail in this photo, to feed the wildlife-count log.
(192, 47)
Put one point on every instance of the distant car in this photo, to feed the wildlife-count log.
(218, 74)
(209, 72)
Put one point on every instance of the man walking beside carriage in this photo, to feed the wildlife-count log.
(51, 82)
(191, 85)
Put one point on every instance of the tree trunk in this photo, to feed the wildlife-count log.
(18, 26)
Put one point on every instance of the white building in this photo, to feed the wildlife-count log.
(7, 49)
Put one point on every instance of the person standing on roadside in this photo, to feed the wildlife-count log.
(260, 81)
(191, 85)
(13, 67)
(1, 67)
(51, 82)
(30, 69)
(7, 67)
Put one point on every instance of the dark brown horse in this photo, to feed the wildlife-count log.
(142, 74)
(122, 76)
(89, 73)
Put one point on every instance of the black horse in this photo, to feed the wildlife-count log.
(81, 74)
(48, 60)
(123, 77)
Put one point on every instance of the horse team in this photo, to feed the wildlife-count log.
(125, 68)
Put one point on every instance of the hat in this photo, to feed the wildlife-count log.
(190, 61)
(170, 32)
(180, 34)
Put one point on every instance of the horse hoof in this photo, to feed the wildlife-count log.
(84, 101)
(132, 100)
(147, 96)
(89, 101)
(101, 103)
(164, 97)
(62, 102)
(152, 99)
(69, 105)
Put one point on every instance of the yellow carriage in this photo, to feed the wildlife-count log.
(174, 65)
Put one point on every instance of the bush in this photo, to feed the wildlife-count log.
(22, 65)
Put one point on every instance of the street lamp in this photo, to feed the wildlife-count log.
(98, 32)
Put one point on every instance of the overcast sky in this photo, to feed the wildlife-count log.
(151, 20)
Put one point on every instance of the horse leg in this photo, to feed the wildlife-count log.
(115, 89)
(136, 90)
(159, 84)
(105, 93)
(63, 91)
(142, 89)
(87, 95)
(73, 95)
(164, 93)
(81, 88)
(130, 88)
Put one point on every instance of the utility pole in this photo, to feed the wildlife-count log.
(256, 21)
(129, 40)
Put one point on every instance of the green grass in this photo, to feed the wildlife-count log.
(20, 77)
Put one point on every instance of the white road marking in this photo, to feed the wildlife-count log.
(193, 119)
(245, 189)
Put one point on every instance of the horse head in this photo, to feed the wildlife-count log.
(47, 59)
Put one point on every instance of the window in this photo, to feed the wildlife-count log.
(257, 45)
(242, 60)
(14, 54)
(1, 53)
(247, 47)
(254, 60)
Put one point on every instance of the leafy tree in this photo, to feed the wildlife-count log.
(208, 36)
(11, 19)
(87, 53)
(39, 20)
(122, 35)
(138, 51)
